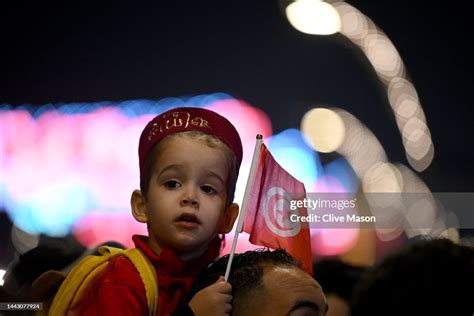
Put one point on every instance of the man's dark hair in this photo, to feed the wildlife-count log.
(337, 277)
(429, 277)
(246, 272)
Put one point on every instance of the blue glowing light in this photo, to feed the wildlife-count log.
(292, 152)
(343, 172)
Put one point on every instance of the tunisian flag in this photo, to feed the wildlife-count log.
(268, 211)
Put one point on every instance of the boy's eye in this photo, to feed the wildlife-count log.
(172, 184)
(208, 189)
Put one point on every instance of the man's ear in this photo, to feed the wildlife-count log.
(138, 203)
(228, 219)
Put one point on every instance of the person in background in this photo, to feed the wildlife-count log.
(338, 280)
(49, 253)
(428, 277)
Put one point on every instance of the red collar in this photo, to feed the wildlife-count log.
(170, 264)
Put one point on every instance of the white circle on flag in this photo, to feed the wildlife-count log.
(277, 212)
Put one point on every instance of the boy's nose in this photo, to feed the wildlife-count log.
(189, 198)
(189, 201)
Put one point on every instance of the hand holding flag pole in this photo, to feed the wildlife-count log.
(266, 212)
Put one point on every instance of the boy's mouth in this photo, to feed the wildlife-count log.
(188, 218)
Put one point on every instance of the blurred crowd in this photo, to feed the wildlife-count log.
(424, 277)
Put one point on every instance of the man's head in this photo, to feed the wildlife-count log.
(268, 282)
(189, 160)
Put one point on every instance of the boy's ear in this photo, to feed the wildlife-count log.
(228, 219)
(138, 203)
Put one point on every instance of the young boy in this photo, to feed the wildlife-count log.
(189, 161)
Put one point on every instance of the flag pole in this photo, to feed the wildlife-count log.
(238, 229)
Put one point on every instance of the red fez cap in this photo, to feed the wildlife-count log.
(189, 119)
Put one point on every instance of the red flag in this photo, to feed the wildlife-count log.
(268, 215)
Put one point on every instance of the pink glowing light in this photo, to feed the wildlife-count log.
(98, 227)
(333, 241)
(248, 120)
(97, 151)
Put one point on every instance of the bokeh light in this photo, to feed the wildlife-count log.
(341, 170)
(97, 227)
(289, 146)
(383, 56)
(333, 241)
(2, 275)
(360, 147)
(72, 167)
(313, 17)
(387, 63)
(354, 24)
(324, 129)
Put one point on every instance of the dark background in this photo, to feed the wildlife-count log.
(104, 51)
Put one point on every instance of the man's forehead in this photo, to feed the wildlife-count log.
(288, 273)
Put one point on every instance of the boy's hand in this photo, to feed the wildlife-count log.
(213, 300)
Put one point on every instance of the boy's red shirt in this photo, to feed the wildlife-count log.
(119, 290)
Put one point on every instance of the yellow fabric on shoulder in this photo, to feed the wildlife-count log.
(78, 280)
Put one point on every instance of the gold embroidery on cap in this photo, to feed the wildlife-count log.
(177, 119)
(153, 131)
(200, 122)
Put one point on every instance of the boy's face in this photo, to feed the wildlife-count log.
(186, 203)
